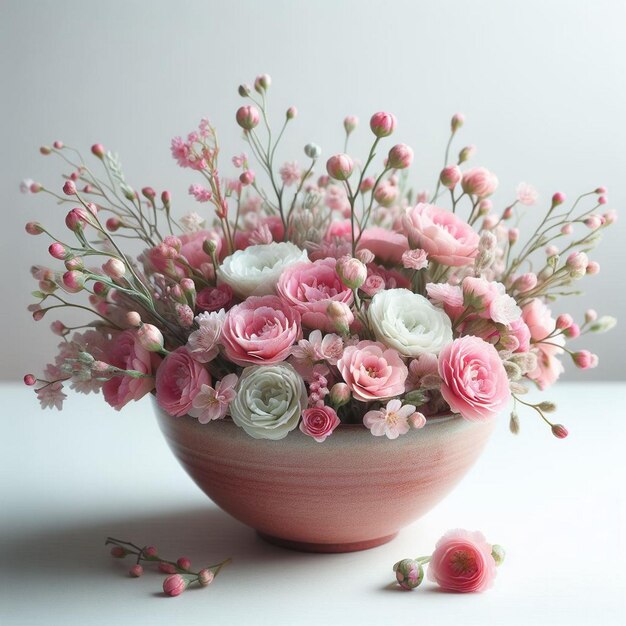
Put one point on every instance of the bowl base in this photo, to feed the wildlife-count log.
(303, 546)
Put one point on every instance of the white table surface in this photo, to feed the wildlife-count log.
(70, 479)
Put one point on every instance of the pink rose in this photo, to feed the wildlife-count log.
(446, 238)
(126, 353)
(474, 381)
(310, 288)
(462, 562)
(214, 298)
(319, 422)
(541, 323)
(372, 371)
(179, 379)
(386, 245)
(260, 331)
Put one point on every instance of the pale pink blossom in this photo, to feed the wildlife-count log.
(200, 193)
(337, 199)
(474, 382)
(290, 174)
(526, 194)
(391, 421)
(450, 297)
(192, 222)
(425, 365)
(415, 259)
(540, 322)
(240, 159)
(445, 237)
(179, 379)
(212, 403)
(310, 287)
(372, 371)
(318, 348)
(462, 561)
(319, 422)
(260, 331)
(203, 344)
(257, 232)
(51, 395)
(490, 300)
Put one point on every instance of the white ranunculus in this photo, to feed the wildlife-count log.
(269, 401)
(256, 270)
(409, 323)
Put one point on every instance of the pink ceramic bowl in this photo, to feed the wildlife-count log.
(352, 492)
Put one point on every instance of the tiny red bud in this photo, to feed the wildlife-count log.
(29, 380)
(559, 431)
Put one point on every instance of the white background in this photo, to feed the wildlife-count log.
(557, 506)
(541, 83)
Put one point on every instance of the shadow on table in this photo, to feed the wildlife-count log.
(205, 535)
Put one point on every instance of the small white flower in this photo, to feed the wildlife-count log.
(192, 222)
(409, 323)
(392, 421)
(203, 344)
(256, 270)
(526, 194)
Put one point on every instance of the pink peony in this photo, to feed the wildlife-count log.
(319, 422)
(260, 331)
(446, 238)
(474, 381)
(386, 245)
(372, 371)
(310, 287)
(462, 562)
(179, 379)
(126, 353)
(541, 324)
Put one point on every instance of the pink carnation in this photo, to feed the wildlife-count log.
(540, 322)
(260, 331)
(179, 379)
(319, 422)
(446, 238)
(372, 371)
(462, 562)
(310, 288)
(126, 353)
(474, 381)
(385, 244)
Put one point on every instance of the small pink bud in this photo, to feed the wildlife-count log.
(339, 394)
(466, 153)
(133, 318)
(243, 90)
(34, 228)
(584, 359)
(386, 194)
(69, 188)
(136, 571)
(591, 315)
(166, 568)
(593, 268)
(291, 113)
(450, 176)
(166, 197)
(602, 200)
(100, 289)
(567, 229)
(400, 157)
(175, 585)
(610, 217)
(367, 184)
(45, 150)
(525, 282)
(383, 124)
(490, 222)
(35, 188)
(350, 122)
(184, 313)
(479, 182)
(577, 261)
(98, 150)
(59, 328)
(340, 166)
(551, 250)
(118, 552)
(113, 224)
(572, 331)
(247, 177)
(365, 256)
(564, 321)
(351, 271)
(507, 214)
(184, 563)
(76, 218)
(149, 193)
(150, 338)
(340, 315)
(600, 191)
(38, 314)
(417, 420)
(73, 281)
(593, 222)
(248, 117)
(74, 263)
(58, 145)
(559, 431)
(558, 198)
(29, 380)
(323, 181)
(150, 551)
(114, 268)
(57, 250)
(484, 206)
(205, 577)
(458, 119)
(262, 82)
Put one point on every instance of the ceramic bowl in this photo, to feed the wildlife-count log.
(351, 492)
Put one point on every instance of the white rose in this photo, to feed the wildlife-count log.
(409, 323)
(256, 270)
(269, 400)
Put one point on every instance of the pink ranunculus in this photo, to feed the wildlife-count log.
(126, 353)
(214, 298)
(372, 371)
(446, 238)
(179, 380)
(319, 422)
(387, 245)
(540, 322)
(260, 331)
(310, 288)
(473, 379)
(462, 562)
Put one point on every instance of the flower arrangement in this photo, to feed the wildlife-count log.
(319, 298)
